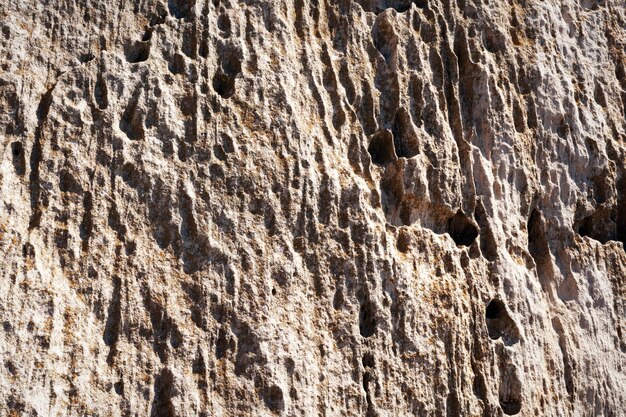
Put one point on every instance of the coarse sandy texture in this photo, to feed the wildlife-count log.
(312, 208)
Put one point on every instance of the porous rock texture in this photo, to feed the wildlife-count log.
(316, 208)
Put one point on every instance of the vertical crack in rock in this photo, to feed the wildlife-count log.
(35, 160)
(113, 321)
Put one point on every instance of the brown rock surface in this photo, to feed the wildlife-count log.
(320, 208)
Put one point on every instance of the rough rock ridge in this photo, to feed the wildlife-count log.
(317, 208)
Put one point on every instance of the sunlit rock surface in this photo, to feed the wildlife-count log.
(312, 208)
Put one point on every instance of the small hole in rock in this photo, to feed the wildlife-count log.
(510, 391)
(273, 398)
(368, 361)
(224, 85)
(223, 23)
(137, 52)
(495, 310)
(84, 58)
(499, 322)
(131, 248)
(379, 6)
(599, 226)
(119, 387)
(511, 407)
(381, 148)
(367, 319)
(518, 118)
(404, 136)
(231, 64)
(16, 148)
(462, 229)
(181, 9)
(19, 161)
(147, 35)
(177, 65)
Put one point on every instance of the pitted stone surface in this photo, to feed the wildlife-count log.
(270, 207)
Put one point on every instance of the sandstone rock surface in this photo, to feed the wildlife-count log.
(312, 208)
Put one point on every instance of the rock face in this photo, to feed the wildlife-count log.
(318, 208)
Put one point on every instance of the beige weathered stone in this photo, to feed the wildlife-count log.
(319, 208)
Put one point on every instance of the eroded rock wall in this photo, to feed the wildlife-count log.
(268, 207)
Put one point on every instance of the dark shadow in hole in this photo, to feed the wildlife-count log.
(462, 229)
(131, 122)
(510, 390)
(404, 137)
(230, 67)
(19, 161)
(367, 319)
(181, 9)
(368, 361)
(403, 241)
(401, 6)
(86, 57)
(511, 407)
(488, 245)
(500, 324)
(381, 148)
(599, 226)
(539, 249)
(137, 52)
(273, 398)
(162, 405)
(223, 84)
(147, 35)
(223, 24)
(176, 65)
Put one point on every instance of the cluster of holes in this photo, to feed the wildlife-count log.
(386, 146)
